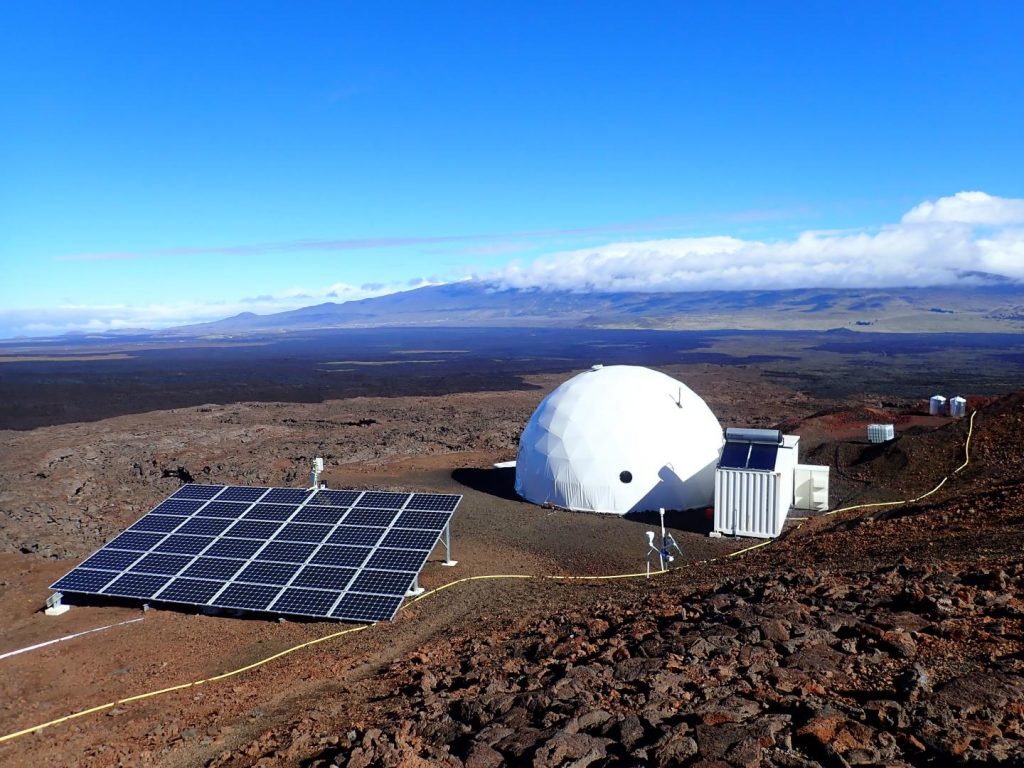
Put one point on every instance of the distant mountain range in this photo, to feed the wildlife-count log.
(994, 304)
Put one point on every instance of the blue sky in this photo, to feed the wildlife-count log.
(173, 162)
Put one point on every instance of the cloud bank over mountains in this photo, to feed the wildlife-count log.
(947, 241)
(944, 242)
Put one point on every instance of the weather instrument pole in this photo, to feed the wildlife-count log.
(663, 552)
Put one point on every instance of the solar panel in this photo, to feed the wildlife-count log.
(746, 455)
(734, 455)
(184, 545)
(193, 491)
(335, 498)
(434, 502)
(762, 456)
(339, 554)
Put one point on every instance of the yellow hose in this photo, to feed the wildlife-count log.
(268, 659)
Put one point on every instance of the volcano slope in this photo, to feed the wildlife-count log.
(885, 636)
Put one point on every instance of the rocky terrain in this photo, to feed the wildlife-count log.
(902, 665)
(886, 636)
(890, 637)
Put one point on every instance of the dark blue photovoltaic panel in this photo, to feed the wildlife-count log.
(303, 532)
(286, 551)
(136, 585)
(402, 539)
(279, 512)
(383, 582)
(184, 545)
(252, 529)
(305, 602)
(434, 502)
(213, 568)
(193, 591)
(324, 578)
(163, 564)
(762, 456)
(398, 559)
(357, 607)
(204, 526)
(230, 509)
(427, 521)
(734, 455)
(324, 515)
(241, 493)
(157, 524)
(240, 548)
(183, 507)
(83, 580)
(111, 559)
(192, 491)
(136, 541)
(285, 496)
(335, 498)
(252, 597)
(377, 517)
(267, 573)
(383, 500)
(351, 556)
(356, 536)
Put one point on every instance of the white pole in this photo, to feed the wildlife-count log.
(661, 549)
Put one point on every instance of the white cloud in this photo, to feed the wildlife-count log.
(95, 318)
(934, 244)
(975, 208)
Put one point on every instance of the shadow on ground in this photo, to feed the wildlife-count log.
(492, 481)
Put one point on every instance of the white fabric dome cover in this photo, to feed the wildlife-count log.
(620, 439)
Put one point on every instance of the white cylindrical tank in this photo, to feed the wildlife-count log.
(958, 406)
(937, 406)
(620, 439)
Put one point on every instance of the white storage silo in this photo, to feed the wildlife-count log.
(937, 406)
(958, 406)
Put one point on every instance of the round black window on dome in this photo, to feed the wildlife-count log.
(626, 476)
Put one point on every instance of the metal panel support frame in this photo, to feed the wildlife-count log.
(415, 589)
(54, 606)
(448, 545)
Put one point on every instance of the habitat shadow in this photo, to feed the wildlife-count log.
(493, 481)
(688, 520)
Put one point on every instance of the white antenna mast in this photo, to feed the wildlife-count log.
(315, 472)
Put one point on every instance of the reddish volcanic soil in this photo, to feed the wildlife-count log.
(887, 636)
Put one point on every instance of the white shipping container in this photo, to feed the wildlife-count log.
(810, 487)
(749, 503)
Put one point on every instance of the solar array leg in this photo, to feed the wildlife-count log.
(54, 606)
(415, 589)
(448, 546)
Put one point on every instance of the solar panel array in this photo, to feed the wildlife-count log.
(340, 554)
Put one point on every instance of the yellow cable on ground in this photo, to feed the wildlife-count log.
(967, 445)
(140, 696)
(308, 643)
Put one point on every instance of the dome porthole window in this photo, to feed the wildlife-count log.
(626, 476)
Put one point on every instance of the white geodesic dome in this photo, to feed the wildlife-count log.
(620, 439)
